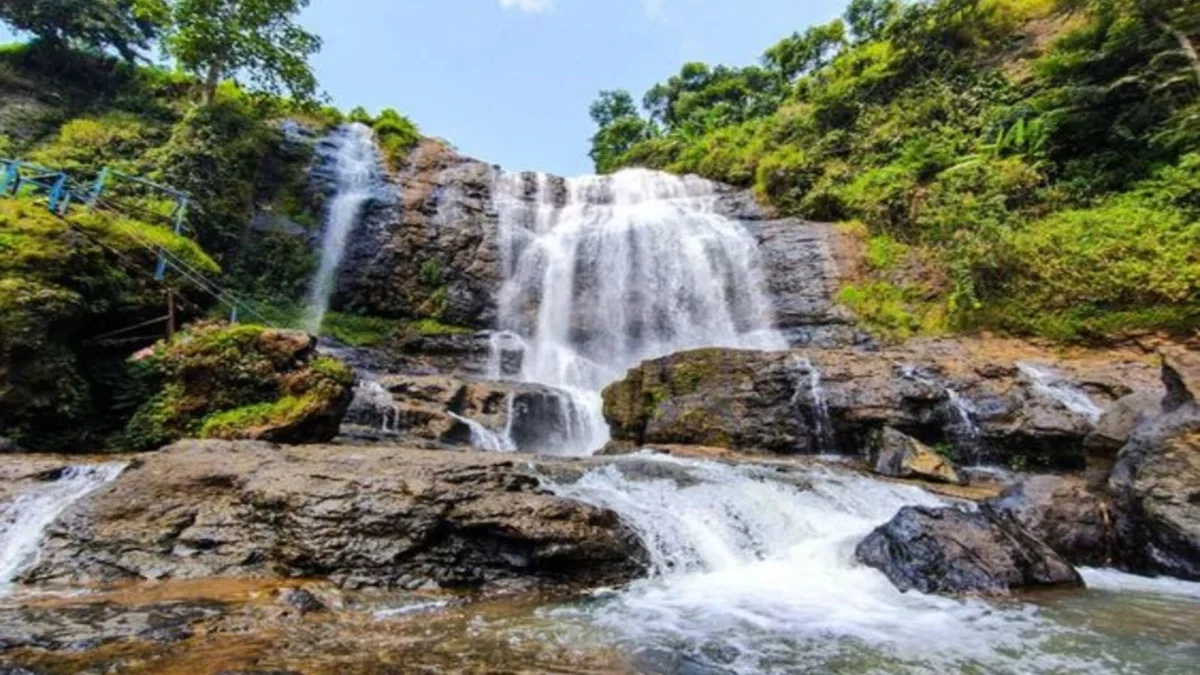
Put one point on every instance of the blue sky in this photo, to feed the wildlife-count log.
(510, 81)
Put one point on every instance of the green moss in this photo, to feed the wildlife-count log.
(435, 327)
(356, 330)
(220, 381)
(231, 423)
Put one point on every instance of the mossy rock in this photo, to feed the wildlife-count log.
(240, 382)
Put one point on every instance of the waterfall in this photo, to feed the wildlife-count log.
(604, 272)
(966, 433)
(1051, 384)
(809, 382)
(357, 171)
(483, 438)
(23, 521)
(374, 407)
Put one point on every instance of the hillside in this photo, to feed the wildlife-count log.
(1018, 165)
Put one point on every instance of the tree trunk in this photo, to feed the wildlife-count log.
(1185, 43)
(212, 81)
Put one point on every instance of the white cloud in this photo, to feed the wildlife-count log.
(528, 5)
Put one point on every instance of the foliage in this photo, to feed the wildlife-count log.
(1032, 163)
(356, 330)
(435, 327)
(396, 134)
(61, 285)
(126, 26)
(620, 128)
(256, 40)
(219, 381)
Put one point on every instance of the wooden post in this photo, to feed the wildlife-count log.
(170, 313)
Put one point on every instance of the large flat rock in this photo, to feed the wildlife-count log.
(362, 516)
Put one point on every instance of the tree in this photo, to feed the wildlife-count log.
(805, 52)
(128, 26)
(253, 39)
(868, 18)
(621, 127)
(1179, 19)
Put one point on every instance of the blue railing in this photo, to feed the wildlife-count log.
(21, 178)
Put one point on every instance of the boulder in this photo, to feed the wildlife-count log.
(239, 382)
(950, 551)
(1181, 375)
(433, 252)
(436, 408)
(1113, 430)
(712, 397)
(1156, 482)
(366, 516)
(1065, 513)
(901, 456)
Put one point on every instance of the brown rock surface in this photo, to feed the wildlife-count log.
(371, 516)
(763, 401)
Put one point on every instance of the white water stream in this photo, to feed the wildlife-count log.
(23, 521)
(752, 571)
(1051, 384)
(358, 166)
(604, 272)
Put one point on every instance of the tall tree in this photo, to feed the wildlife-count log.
(128, 26)
(258, 40)
(805, 52)
(621, 127)
(868, 18)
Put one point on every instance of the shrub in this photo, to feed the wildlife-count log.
(240, 381)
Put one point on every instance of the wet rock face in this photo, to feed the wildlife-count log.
(1066, 514)
(435, 253)
(85, 627)
(901, 456)
(941, 393)
(802, 279)
(372, 516)
(1156, 482)
(431, 407)
(955, 552)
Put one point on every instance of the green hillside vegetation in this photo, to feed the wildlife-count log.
(1019, 165)
(80, 97)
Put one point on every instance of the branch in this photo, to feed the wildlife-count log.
(1185, 43)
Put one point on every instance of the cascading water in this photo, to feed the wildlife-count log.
(23, 521)
(810, 383)
(357, 171)
(1051, 384)
(602, 273)
(483, 438)
(966, 432)
(752, 571)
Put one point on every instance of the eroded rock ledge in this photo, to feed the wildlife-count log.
(373, 516)
(973, 398)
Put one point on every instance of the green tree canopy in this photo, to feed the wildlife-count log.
(257, 40)
(805, 52)
(621, 127)
(868, 18)
(128, 26)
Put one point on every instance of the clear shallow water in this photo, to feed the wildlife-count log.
(753, 572)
